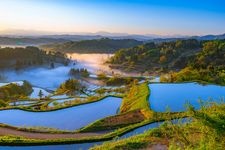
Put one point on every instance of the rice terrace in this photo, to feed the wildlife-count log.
(112, 75)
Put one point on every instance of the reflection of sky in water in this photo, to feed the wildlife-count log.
(174, 96)
(66, 119)
(144, 128)
(60, 101)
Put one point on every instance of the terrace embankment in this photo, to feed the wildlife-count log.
(50, 136)
(135, 113)
(134, 109)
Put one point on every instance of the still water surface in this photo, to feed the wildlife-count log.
(174, 96)
(66, 119)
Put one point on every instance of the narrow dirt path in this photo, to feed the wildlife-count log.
(32, 135)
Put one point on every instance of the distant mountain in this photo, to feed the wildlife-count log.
(26, 37)
(93, 37)
(209, 37)
(73, 37)
(145, 38)
(199, 38)
(28, 41)
(104, 45)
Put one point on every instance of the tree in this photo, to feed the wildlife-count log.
(102, 76)
(79, 72)
(71, 86)
(101, 91)
(40, 94)
(162, 59)
(2, 103)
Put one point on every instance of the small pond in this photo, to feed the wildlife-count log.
(61, 101)
(64, 96)
(66, 119)
(174, 96)
(22, 103)
(151, 126)
(35, 93)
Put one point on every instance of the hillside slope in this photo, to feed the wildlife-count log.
(208, 65)
(104, 45)
(152, 57)
(19, 58)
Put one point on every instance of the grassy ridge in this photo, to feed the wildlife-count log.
(114, 122)
(134, 109)
(206, 131)
(136, 99)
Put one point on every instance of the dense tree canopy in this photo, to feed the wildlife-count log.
(104, 45)
(208, 65)
(71, 87)
(29, 56)
(193, 59)
(79, 72)
(166, 55)
(13, 91)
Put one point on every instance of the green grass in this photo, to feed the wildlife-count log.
(136, 98)
(134, 109)
(115, 122)
(206, 131)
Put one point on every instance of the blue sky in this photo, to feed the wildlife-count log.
(163, 17)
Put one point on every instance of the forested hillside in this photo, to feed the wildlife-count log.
(208, 65)
(104, 45)
(30, 56)
(156, 57)
(182, 60)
